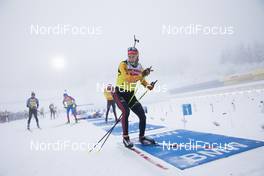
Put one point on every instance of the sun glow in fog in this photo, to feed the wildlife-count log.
(58, 63)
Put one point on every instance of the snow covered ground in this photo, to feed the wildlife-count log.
(19, 154)
(17, 158)
(238, 110)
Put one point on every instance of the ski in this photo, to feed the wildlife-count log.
(65, 124)
(30, 130)
(147, 158)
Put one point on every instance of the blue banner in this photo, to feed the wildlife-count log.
(184, 149)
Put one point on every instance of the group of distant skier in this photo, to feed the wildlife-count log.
(130, 71)
(33, 105)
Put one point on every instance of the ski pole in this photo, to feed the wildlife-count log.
(153, 84)
(133, 95)
(107, 134)
(111, 129)
(137, 88)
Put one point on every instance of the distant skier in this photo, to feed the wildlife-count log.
(52, 111)
(32, 104)
(110, 101)
(69, 105)
(130, 72)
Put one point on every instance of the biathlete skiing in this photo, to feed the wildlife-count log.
(130, 72)
(69, 105)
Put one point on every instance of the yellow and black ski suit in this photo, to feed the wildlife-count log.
(127, 78)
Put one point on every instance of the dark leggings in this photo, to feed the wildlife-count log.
(126, 101)
(35, 113)
(109, 104)
(52, 114)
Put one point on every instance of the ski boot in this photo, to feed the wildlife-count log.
(127, 142)
(146, 140)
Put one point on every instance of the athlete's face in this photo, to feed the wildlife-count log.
(133, 58)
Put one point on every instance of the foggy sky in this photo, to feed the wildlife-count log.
(91, 59)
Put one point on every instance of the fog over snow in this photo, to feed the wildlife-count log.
(52, 62)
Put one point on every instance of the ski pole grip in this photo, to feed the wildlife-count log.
(150, 68)
(153, 83)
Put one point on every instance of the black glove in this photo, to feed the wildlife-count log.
(151, 85)
(147, 71)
